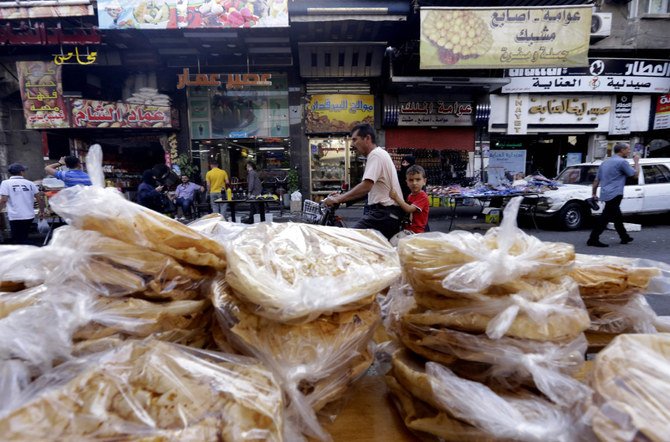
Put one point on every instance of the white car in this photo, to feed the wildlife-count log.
(644, 194)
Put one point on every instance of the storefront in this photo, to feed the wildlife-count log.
(235, 118)
(560, 116)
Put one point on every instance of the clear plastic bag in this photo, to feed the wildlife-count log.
(315, 362)
(297, 272)
(632, 315)
(153, 390)
(466, 264)
(524, 418)
(106, 211)
(547, 311)
(631, 381)
(43, 226)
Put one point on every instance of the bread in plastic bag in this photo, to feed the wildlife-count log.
(427, 422)
(150, 390)
(466, 264)
(634, 315)
(611, 276)
(523, 416)
(10, 302)
(316, 362)
(296, 272)
(27, 266)
(140, 318)
(511, 361)
(215, 227)
(106, 211)
(631, 382)
(118, 268)
(548, 311)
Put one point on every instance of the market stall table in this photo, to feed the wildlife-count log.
(458, 200)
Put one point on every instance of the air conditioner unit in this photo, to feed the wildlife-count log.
(601, 24)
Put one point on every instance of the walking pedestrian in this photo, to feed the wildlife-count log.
(19, 194)
(611, 178)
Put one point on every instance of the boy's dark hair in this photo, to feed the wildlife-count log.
(72, 162)
(414, 169)
(364, 129)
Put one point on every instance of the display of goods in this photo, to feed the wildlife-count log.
(457, 34)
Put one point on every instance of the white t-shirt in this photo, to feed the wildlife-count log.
(379, 169)
(21, 193)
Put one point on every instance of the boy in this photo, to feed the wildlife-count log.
(418, 205)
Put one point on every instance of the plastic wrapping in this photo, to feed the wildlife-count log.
(612, 276)
(296, 272)
(549, 311)
(215, 227)
(510, 361)
(631, 380)
(633, 315)
(525, 417)
(115, 268)
(106, 211)
(316, 362)
(26, 266)
(466, 264)
(150, 390)
(140, 318)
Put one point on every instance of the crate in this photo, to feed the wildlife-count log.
(311, 211)
(296, 206)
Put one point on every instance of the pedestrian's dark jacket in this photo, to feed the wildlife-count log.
(147, 195)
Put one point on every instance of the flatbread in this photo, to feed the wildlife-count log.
(461, 263)
(331, 351)
(632, 388)
(151, 391)
(141, 318)
(107, 212)
(296, 272)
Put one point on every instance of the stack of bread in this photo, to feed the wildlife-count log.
(613, 291)
(83, 323)
(493, 332)
(301, 298)
(631, 383)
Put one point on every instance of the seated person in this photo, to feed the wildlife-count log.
(417, 204)
(185, 194)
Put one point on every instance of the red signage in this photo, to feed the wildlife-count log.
(106, 114)
(42, 95)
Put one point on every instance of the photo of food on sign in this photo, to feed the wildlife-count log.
(192, 14)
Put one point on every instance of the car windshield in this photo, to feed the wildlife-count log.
(578, 175)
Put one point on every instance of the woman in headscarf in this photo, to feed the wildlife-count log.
(148, 195)
(407, 161)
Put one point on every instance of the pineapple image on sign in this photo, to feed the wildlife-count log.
(456, 35)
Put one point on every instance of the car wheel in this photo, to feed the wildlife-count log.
(571, 217)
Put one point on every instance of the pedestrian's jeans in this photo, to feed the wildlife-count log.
(221, 208)
(20, 229)
(186, 206)
(386, 220)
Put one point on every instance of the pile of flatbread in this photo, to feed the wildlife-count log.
(494, 315)
(301, 298)
(150, 390)
(88, 326)
(613, 291)
(631, 383)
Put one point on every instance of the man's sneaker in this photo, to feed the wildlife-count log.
(596, 243)
(627, 240)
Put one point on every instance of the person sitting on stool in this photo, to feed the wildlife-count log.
(185, 194)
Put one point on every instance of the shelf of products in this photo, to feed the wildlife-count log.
(443, 167)
(329, 166)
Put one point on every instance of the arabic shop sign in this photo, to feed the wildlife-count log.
(435, 113)
(534, 111)
(338, 113)
(662, 115)
(42, 95)
(601, 75)
(231, 81)
(621, 117)
(462, 38)
(106, 114)
(192, 14)
(83, 59)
